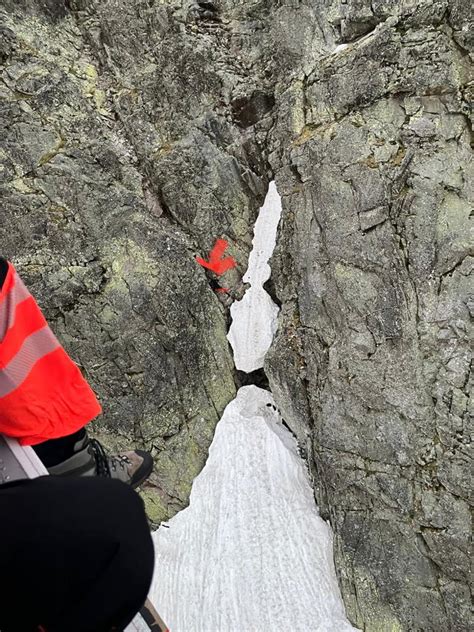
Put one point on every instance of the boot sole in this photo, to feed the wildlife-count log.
(145, 469)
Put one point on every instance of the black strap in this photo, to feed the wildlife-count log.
(3, 271)
(150, 620)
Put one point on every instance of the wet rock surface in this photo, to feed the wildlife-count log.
(135, 133)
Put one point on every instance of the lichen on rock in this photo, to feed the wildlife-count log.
(135, 133)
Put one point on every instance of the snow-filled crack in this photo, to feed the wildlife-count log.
(251, 551)
(254, 318)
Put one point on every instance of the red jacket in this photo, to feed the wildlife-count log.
(42, 392)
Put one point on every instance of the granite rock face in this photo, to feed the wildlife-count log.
(372, 154)
(136, 132)
(119, 165)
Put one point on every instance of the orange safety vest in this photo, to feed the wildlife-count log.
(42, 392)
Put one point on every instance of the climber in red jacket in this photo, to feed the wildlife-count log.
(76, 553)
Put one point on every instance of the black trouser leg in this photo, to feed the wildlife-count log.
(76, 555)
(56, 451)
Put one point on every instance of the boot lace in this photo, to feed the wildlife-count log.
(119, 460)
(105, 462)
(100, 457)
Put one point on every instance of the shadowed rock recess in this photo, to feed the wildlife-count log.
(136, 132)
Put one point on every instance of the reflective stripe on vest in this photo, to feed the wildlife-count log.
(17, 294)
(33, 349)
(23, 347)
(43, 394)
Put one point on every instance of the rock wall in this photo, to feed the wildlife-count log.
(372, 153)
(136, 132)
(121, 159)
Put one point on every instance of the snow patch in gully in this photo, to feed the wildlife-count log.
(254, 318)
(251, 551)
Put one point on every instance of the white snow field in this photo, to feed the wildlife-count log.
(251, 552)
(254, 317)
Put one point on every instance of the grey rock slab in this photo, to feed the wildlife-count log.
(373, 160)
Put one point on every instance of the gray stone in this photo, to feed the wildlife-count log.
(135, 133)
(374, 259)
(111, 185)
